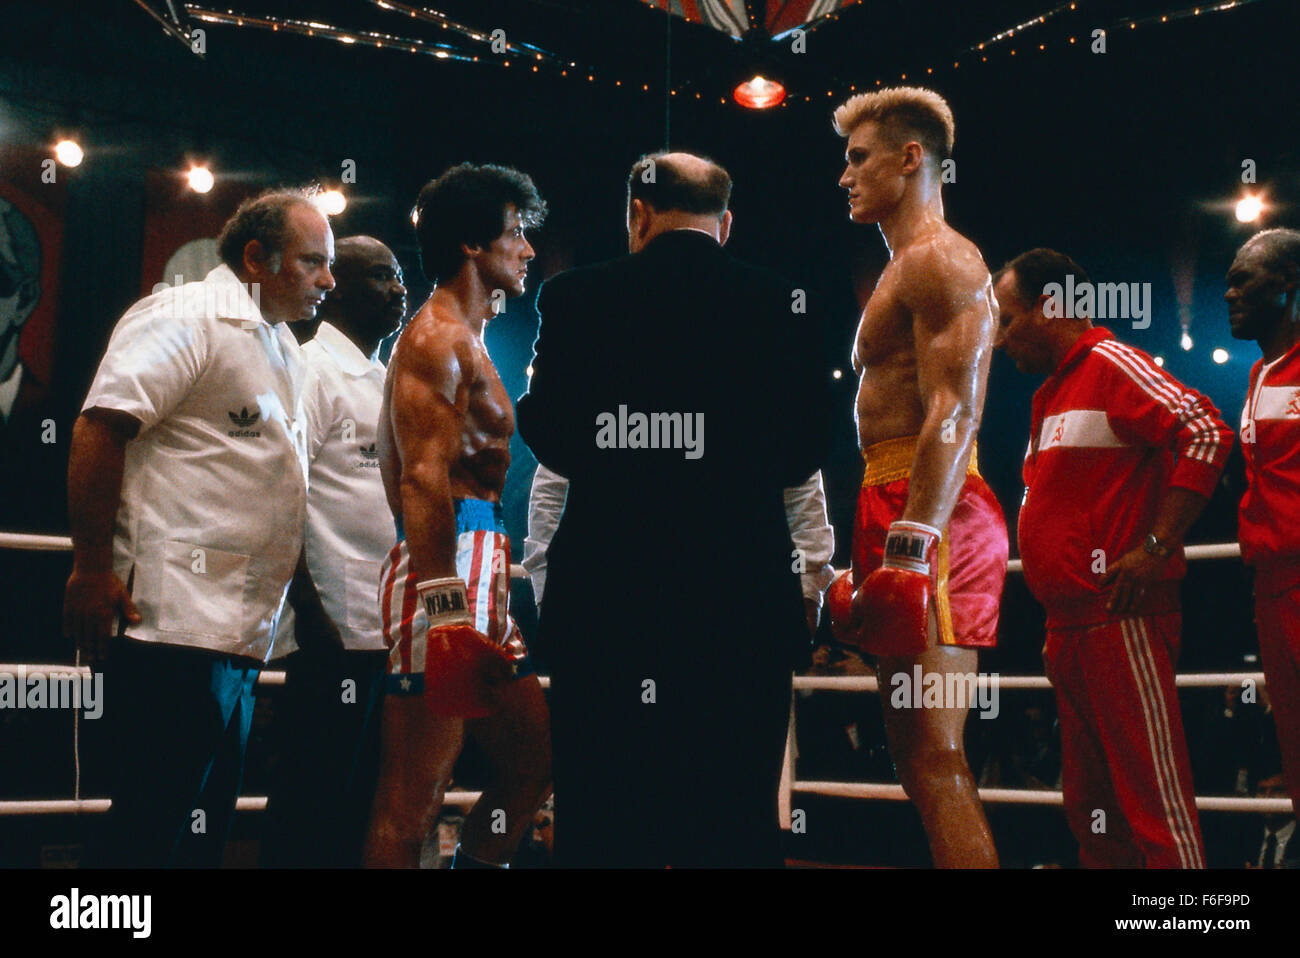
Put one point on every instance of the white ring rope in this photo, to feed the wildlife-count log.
(1030, 796)
(836, 683)
(820, 683)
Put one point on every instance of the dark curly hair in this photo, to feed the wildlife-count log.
(467, 205)
(264, 218)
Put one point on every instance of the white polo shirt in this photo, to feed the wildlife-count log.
(214, 491)
(349, 525)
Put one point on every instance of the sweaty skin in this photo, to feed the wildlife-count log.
(445, 429)
(922, 353)
(444, 434)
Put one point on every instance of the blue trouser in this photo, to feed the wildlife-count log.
(179, 720)
(327, 735)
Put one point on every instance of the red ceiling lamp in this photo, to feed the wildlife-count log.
(759, 93)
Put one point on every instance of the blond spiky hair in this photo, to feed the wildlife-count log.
(916, 111)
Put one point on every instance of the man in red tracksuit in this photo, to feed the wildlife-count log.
(1122, 459)
(1263, 282)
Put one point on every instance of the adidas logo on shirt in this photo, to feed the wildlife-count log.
(243, 420)
(369, 457)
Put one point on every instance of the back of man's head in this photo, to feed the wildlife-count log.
(1036, 269)
(1279, 248)
(680, 182)
(264, 218)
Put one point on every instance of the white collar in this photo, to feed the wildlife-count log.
(344, 351)
(226, 297)
(698, 230)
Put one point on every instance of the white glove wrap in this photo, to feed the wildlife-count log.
(446, 601)
(908, 546)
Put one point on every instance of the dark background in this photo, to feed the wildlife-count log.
(1128, 160)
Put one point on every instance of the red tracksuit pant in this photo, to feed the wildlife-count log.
(1124, 767)
(1277, 618)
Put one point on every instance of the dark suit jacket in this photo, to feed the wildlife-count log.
(702, 544)
(666, 568)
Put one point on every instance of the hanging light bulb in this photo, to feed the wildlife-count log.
(759, 93)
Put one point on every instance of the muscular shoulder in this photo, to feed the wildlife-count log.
(943, 270)
(436, 346)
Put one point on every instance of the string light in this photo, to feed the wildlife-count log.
(444, 51)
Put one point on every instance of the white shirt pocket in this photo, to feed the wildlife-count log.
(202, 590)
(362, 577)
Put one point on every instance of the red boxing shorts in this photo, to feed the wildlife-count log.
(972, 555)
(483, 561)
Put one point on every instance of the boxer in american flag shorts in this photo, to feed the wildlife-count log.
(483, 561)
(458, 667)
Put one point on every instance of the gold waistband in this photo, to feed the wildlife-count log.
(891, 460)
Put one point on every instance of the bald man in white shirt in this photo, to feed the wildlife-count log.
(187, 494)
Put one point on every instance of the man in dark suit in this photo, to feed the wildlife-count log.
(673, 612)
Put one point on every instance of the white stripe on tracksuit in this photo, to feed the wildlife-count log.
(1205, 442)
(1154, 709)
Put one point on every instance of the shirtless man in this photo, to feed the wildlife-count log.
(930, 543)
(458, 665)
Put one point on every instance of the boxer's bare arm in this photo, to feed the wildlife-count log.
(945, 286)
(430, 380)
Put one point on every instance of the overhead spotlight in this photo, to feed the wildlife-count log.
(1249, 209)
(1220, 356)
(331, 202)
(200, 178)
(837, 374)
(1159, 361)
(69, 152)
(1186, 341)
(759, 93)
(415, 216)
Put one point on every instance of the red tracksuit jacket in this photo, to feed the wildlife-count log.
(1269, 525)
(1111, 432)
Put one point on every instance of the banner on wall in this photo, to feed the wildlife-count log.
(32, 212)
(181, 228)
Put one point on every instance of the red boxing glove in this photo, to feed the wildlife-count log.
(846, 629)
(894, 601)
(463, 666)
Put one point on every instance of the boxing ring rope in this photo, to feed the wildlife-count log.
(863, 791)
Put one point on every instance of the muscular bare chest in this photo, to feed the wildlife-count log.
(885, 329)
(888, 401)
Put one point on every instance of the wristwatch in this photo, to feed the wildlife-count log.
(1156, 547)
